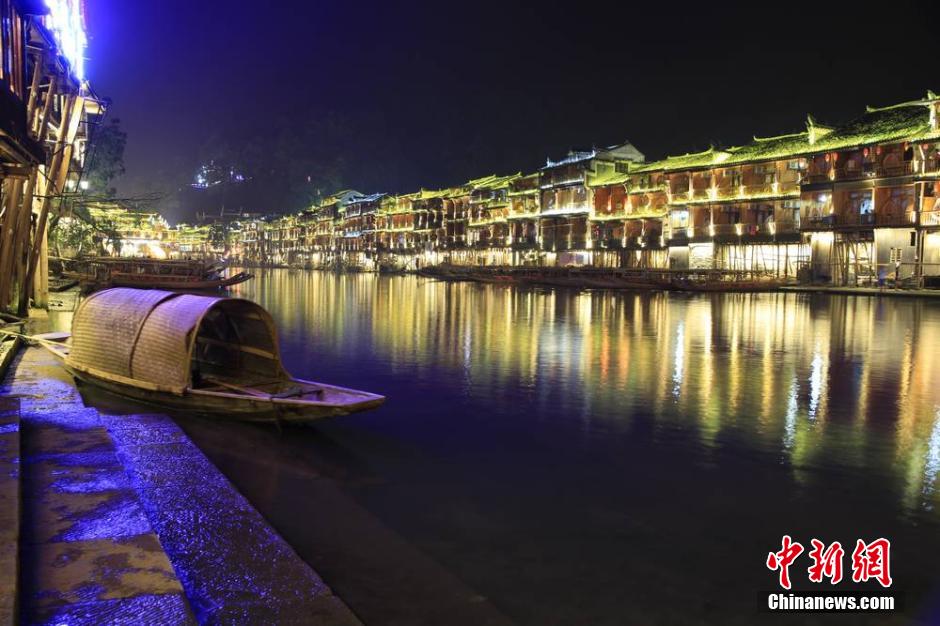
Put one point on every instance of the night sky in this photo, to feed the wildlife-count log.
(434, 94)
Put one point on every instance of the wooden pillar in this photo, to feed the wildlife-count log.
(57, 176)
(21, 244)
(51, 95)
(41, 277)
(11, 229)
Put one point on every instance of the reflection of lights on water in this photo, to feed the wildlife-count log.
(815, 384)
(679, 360)
(790, 423)
(932, 467)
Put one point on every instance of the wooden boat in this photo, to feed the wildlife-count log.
(196, 353)
(157, 281)
(104, 272)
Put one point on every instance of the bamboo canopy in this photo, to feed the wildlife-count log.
(166, 341)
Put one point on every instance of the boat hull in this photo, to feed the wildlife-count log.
(144, 281)
(229, 406)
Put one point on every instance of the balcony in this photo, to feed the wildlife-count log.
(678, 195)
(562, 244)
(652, 240)
(816, 176)
(703, 193)
(525, 243)
(895, 170)
(609, 243)
(767, 230)
(684, 235)
(930, 218)
(865, 170)
(864, 220)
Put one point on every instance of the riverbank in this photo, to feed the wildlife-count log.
(124, 476)
(123, 517)
(633, 279)
(657, 280)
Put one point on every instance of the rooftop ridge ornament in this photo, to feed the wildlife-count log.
(815, 130)
(776, 137)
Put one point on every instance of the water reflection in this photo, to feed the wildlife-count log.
(850, 381)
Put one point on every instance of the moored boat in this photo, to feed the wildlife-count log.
(197, 353)
(192, 275)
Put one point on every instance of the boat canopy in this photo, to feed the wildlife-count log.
(168, 341)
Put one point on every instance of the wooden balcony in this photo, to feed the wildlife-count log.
(816, 176)
(653, 240)
(864, 170)
(525, 243)
(930, 218)
(868, 220)
(609, 243)
(898, 169)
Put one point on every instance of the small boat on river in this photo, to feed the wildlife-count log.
(196, 353)
(184, 275)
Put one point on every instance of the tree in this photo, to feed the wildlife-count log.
(105, 159)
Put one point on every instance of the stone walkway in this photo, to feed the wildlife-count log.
(9, 507)
(88, 552)
(126, 522)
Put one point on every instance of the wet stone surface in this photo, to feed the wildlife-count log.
(88, 554)
(9, 506)
(154, 610)
(129, 523)
(233, 566)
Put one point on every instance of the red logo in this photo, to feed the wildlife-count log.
(869, 561)
(782, 560)
(827, 563)
(872, 560)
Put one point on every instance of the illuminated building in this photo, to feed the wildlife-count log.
(850, 204)
(46, 111)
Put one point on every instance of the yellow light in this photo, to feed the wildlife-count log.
(738, 229)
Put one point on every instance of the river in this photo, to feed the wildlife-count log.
(597, 457)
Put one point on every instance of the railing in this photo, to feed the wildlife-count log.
(611, 214)
(690, 232)
(786, 226)
(525, 243)
(816, 176)
(871, 219)
(762, 189)
(864, 170)
(853, 219)
(901, 169)
(609, 243)
(653, 240)
(562, 244)
(816, 221)
(766, 229)
(930, 218)
(524, 209)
